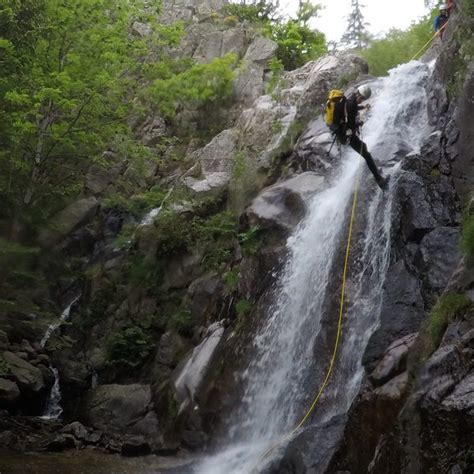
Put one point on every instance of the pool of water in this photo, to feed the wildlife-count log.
(88, 462)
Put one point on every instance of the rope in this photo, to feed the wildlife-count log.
(429, 41)
(338, 337)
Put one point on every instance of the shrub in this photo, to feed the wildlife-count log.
(467, 239)
(276, 72)
(243, 308)
(182, 322)
(446, 309)
(130, 347)
(250, 240)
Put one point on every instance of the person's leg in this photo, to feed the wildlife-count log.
(360, 147)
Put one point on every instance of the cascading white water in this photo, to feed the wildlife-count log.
(53, 408)
(277, 380)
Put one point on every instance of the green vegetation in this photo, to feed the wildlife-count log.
(297, 42)
(250, 240)
(201, 83)
(467, 240)
(137, 204)
(397, 47)
(214, 234)
(5, 368)
(276, 72)
(182, 322)
(243, 308)
(446, 309)
(129, 347)
(457, 64)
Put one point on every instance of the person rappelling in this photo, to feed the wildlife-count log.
(342, 117)
(441, 20)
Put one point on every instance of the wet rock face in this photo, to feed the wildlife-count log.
(401, 315)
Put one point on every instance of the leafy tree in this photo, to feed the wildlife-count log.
(397, 47)
(253, 11)
(73, 74)
(297, 42)
(356, 34)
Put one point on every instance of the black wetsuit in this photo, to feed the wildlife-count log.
(352, 109)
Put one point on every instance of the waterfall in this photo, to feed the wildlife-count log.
(279, 382)
(53, 408)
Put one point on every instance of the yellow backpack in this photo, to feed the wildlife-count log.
(335, 113)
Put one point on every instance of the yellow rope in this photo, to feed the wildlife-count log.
(429, 41)
(338, 336)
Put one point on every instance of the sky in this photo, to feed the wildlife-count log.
(380, 14)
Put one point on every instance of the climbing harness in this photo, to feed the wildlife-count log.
(429, 41)
(336, 343)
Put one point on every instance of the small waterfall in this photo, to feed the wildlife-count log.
(279, 381)
(149, 217)
(52, 327)
(53, 408)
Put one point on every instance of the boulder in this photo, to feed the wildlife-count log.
(261, 50)
(82, 434)
(394, 390)
(394, 360)
(60, 442)
(265, 129)
(216, 160)
(250, 81)
(67, 220)
(213, 43)
(282, 205)
(135, 446)
(153, 131)
(170, 349)
(141, 29)
(123, 409)
(307, 87)
(27, 377)
(181, 271)
(9, 393)
(98, 178)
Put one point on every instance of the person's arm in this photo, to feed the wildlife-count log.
(436, 23)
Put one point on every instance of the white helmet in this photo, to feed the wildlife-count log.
(364, 91)
(443, 7)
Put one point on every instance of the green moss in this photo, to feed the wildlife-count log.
(231, 279)
(467, 238)
(243, 308)
(446, 309)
